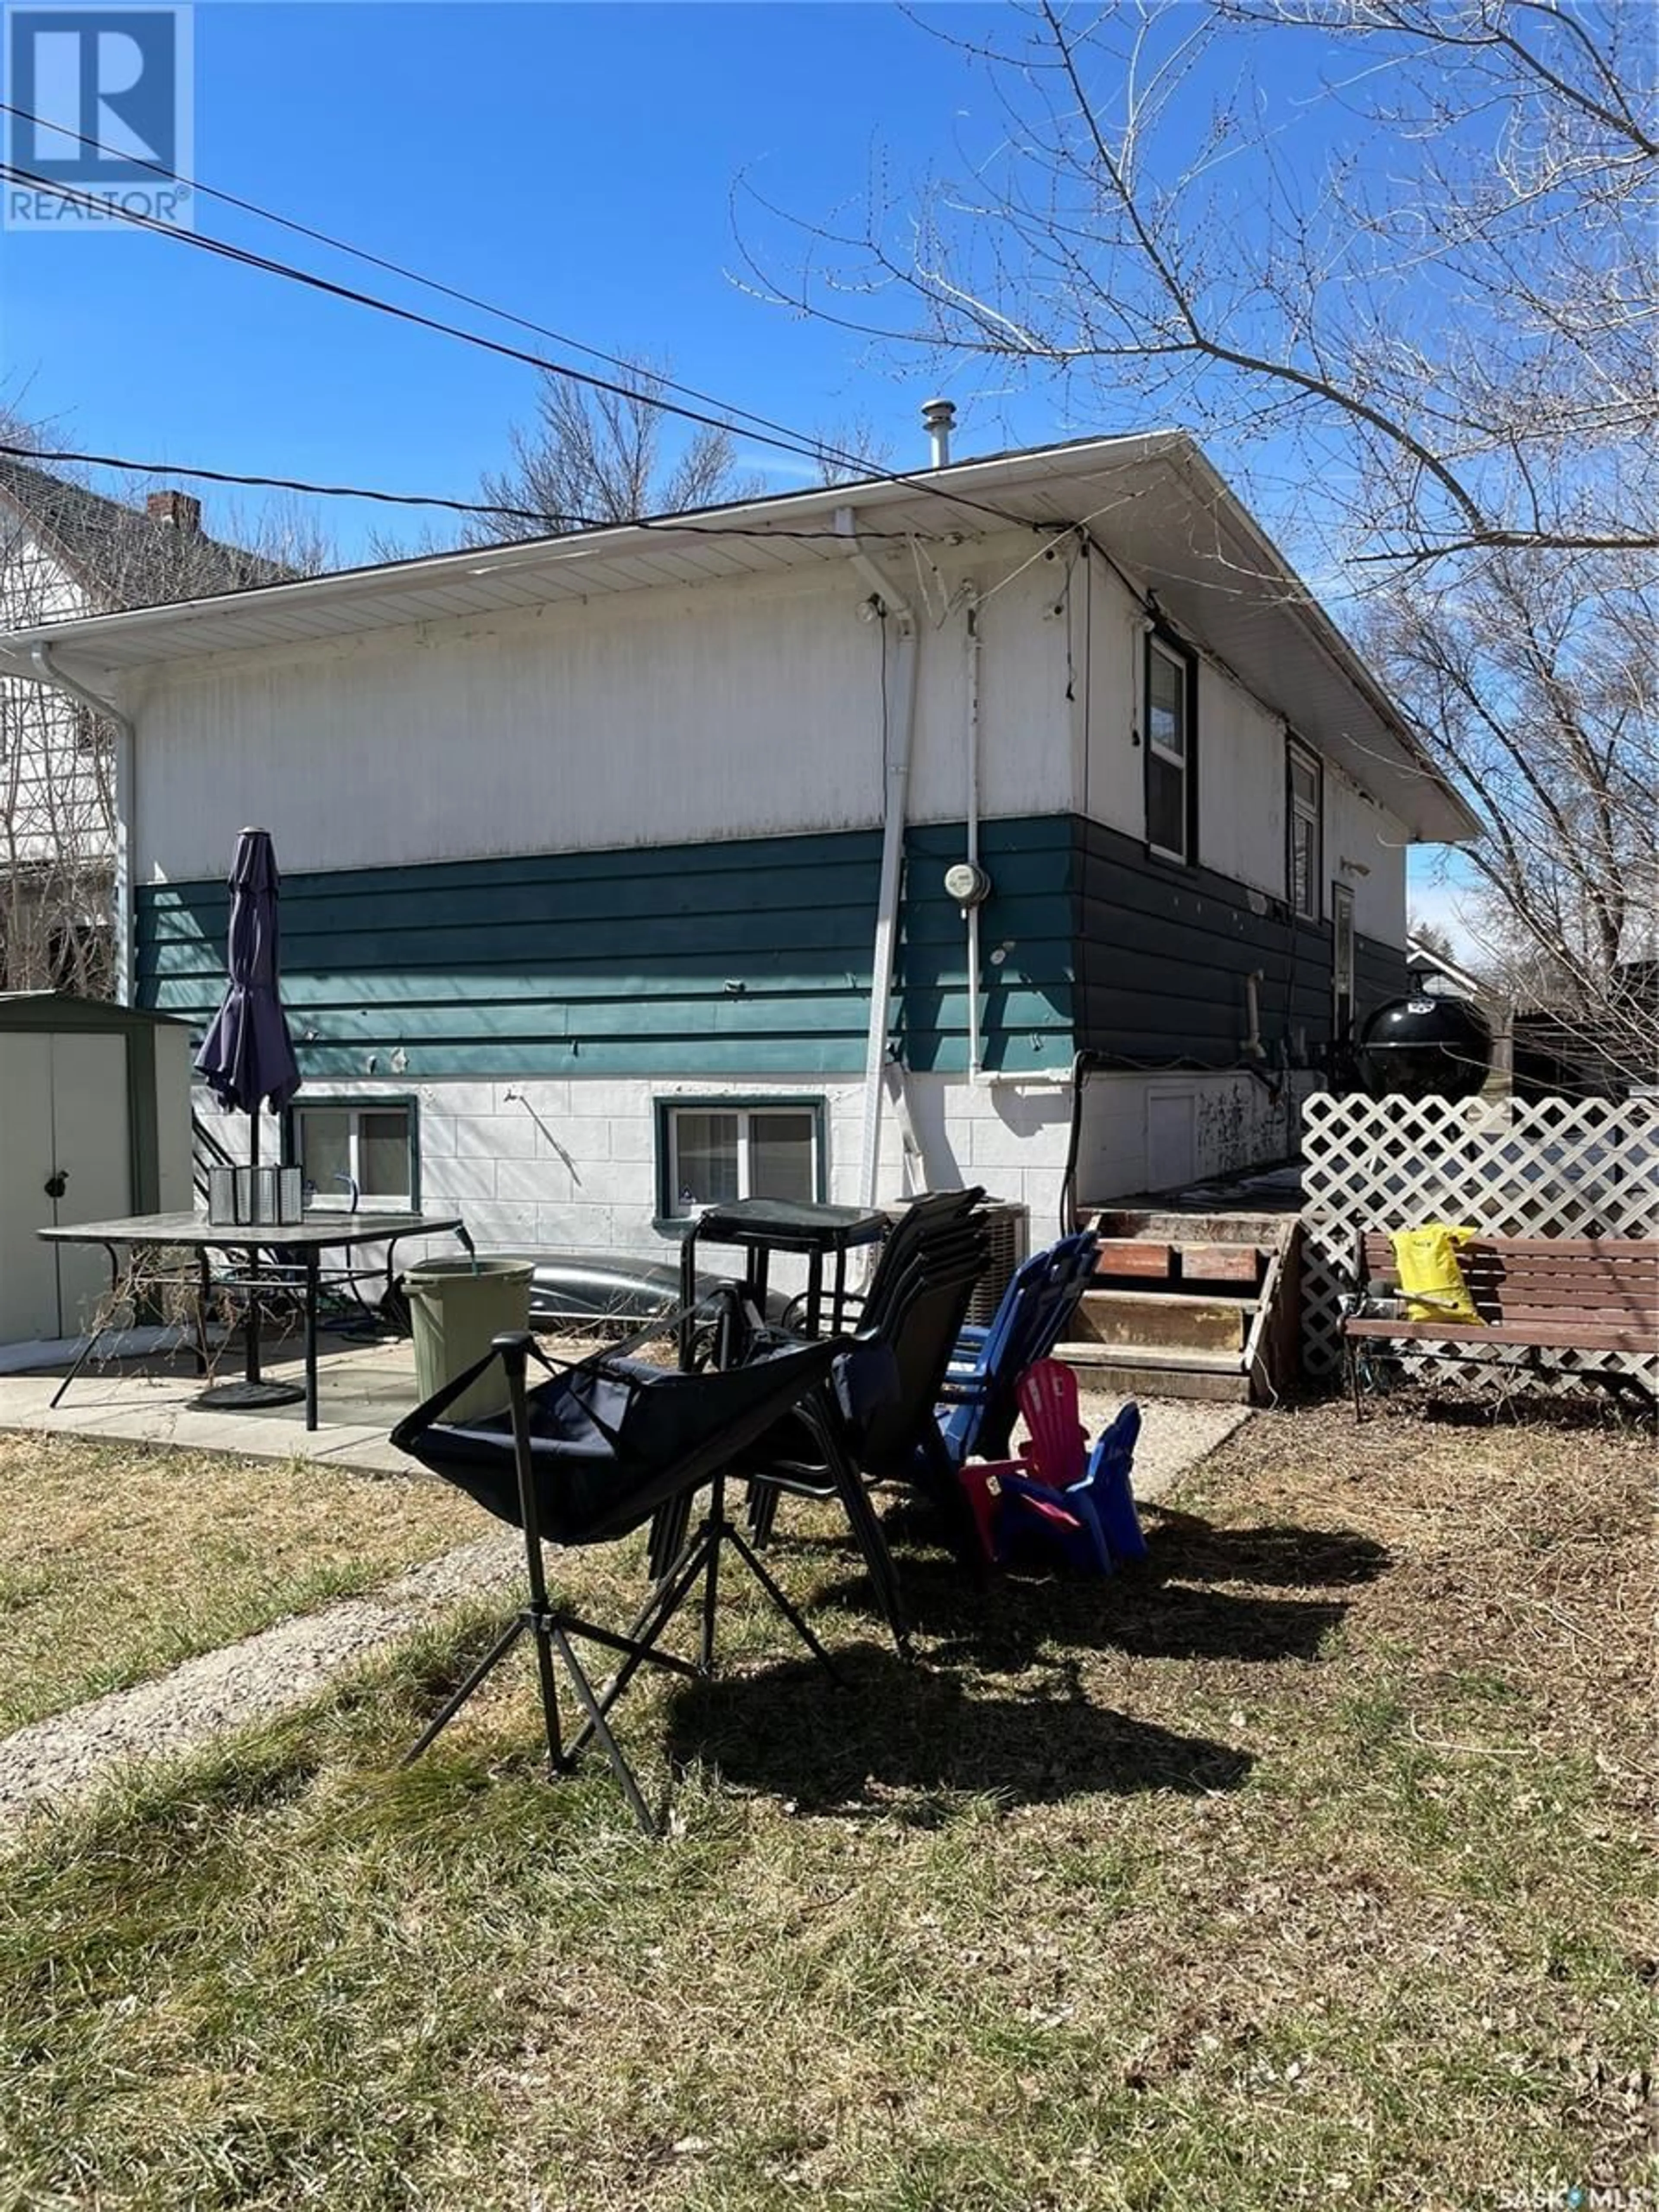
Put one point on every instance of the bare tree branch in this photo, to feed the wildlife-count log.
(600, 455)
(1395, 258)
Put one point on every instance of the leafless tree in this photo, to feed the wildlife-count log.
(66, 550)
(848, 450)
(596, 457)
(1435, 939)
(1394, 258)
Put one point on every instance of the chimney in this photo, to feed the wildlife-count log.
(177, 509)
(939, 419)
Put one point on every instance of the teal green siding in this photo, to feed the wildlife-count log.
(750, 957)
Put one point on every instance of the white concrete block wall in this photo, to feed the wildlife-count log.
(1236, 1124)
(571, 1164)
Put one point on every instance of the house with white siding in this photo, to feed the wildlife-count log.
(808, 845)
(67, 552)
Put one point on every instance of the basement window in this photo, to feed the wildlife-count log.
(369, 1142)
(711, 1152)
(1171, 757)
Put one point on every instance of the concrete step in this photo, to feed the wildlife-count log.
(1164, 1224)
(1152, 1370)
(1154, 1261)
(1171, 1318)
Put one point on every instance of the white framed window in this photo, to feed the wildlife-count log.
(1171, 763)
(1302, 855)
(714, 1152)
(360, 1145)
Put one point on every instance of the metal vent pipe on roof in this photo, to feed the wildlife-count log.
(939, 419)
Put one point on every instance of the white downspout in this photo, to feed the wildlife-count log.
(975, 1048)
(126, 737)
(895, 783)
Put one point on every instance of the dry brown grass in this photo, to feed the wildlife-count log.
(116, 1563)
(1305, 1868)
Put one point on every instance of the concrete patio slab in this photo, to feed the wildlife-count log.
(366, 1389)
(363, 1391)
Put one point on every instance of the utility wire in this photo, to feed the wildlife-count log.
(433, 284)
(791, 442)
(561, 524)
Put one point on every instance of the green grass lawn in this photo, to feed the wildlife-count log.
(1304, 1868)
(116, 1563)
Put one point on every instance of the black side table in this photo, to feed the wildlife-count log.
(761, 1227)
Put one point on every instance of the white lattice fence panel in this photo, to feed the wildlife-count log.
(1547, 1167)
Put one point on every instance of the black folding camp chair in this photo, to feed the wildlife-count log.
(592, 1455)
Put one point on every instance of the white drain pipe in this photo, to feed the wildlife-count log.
(889, 607)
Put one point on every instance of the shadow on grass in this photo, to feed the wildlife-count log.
(894, 1730)
(1182, 1548)
(1007, 1622)
(1616, 1404)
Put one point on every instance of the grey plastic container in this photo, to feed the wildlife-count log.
(456, 1307)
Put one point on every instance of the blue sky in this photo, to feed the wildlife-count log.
(573, 163)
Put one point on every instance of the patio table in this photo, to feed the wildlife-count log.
(307, 1240)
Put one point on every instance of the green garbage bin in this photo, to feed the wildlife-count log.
(456, 1306)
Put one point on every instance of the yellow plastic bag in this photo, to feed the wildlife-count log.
(1430, 1280)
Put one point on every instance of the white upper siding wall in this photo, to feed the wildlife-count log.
(746, 709)
(1241, 785)
(1361, 835)
(1241, 776)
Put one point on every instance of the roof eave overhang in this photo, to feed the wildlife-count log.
(1422, 797)
(102, 651)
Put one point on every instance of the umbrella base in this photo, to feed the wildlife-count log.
(248, 1397)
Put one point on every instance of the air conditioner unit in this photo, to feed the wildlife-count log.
(1010, 1225)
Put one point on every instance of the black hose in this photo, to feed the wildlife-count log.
(1081, 1064)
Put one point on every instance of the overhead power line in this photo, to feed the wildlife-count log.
(795, 443)
(557, 523)
(819, 448)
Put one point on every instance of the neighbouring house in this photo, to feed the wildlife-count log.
(796, 846)
(1431, 968)
(67, 552)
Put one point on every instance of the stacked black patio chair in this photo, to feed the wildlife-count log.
(890, 1378)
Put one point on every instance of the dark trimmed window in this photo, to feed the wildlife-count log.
(1171, 729)
(712, 1151)
(362, 1144)
(1304, 795)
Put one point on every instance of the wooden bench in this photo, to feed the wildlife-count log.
(1546, 1293)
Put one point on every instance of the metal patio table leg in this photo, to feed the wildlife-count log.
(94, 1337)
(688, 1295)
(251, 1372)
(311, 1259)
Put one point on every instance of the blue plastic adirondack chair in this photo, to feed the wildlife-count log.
(1090, 1522)
(980, 1404)
(1106, 1487)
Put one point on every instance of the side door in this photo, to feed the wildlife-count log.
(92, 1162)
(29, 1269)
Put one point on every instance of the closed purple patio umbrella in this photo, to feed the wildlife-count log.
(246, 1059)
